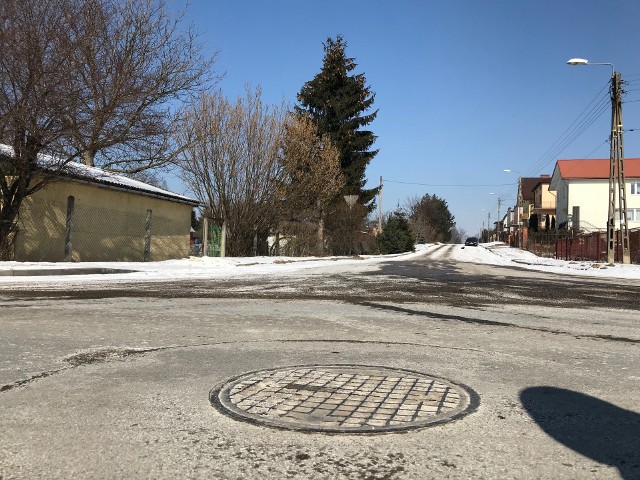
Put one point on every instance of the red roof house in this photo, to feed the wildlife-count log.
(582, 189)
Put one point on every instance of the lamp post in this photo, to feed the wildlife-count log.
(616, 167)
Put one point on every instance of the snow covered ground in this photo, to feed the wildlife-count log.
(202, 268)
(501, 254)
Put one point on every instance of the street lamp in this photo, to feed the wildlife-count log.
(583, 61)
(616, 166)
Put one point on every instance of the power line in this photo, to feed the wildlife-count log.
(450, 185)
(593, 151)
(585, 119)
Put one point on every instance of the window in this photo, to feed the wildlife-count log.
(633, 215)
(635, 188)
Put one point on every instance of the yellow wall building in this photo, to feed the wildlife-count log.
(92, 215)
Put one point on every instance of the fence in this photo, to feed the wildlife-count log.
(50, 230)
(543, 244)
(593, 246)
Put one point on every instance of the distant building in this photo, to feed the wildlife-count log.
(544, 203)
(517, 220)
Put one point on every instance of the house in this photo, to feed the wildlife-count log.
(517, 222)
(582, 190)
(526, 198)
(544, 204)
(88, 214)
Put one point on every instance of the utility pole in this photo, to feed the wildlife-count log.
(380, 207)
(616, 167)
(488, 226)
(616, 173)
(499, 224)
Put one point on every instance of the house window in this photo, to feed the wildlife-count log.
(633, 215)
(635, 188)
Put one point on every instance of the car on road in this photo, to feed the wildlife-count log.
(471, 242)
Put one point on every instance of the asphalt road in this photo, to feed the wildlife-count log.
(111, 380)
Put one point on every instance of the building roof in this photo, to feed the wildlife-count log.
(597, 168)
(84, 173)
(80, 171)
(543, 180)
(528, 184)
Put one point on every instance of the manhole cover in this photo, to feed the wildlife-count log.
(343, 398)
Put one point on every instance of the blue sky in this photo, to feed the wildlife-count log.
(465, 89)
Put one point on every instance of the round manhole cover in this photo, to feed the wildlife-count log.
(343, 398)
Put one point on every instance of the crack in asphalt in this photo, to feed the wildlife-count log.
(107, 354)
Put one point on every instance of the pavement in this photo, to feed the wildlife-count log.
(114, 380)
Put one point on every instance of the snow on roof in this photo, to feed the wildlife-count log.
(597, 168)
(80, 171)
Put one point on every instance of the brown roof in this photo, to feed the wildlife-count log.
(529, 183)
(543, 180)
(596, 168)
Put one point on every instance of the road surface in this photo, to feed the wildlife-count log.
(112, 379)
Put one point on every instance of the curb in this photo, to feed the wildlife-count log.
(61, 271)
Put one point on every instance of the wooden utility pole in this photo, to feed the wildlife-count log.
(616, 173)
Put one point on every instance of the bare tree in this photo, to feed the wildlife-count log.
(91, 79)
(37, 94)
(231, 163)
(311, 176)
(458, 235)
(135, 66)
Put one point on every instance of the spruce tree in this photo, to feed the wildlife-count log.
(337, 102)
(396, 235)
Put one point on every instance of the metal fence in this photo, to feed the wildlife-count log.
(75, 231)
(543, 244)
(593, 246)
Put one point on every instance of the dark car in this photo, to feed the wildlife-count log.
(471, 242)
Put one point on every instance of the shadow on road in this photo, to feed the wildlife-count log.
(594, 428)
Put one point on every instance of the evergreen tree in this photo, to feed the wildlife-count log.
(431, 220)
(396, 235)
(337, 102)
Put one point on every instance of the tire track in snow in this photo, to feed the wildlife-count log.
(441, 252)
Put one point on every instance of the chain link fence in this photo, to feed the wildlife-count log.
(50, 230)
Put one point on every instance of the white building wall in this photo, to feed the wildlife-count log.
(592, 196)
(562, 203)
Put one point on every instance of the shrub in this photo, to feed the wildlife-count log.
(396, 235)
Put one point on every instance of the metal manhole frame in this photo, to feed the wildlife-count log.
(214, 399)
